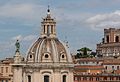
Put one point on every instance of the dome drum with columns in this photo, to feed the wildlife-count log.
(48, 59)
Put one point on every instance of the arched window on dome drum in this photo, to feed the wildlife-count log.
(46, 78)
(46, 55)
(63, 56)
(30, 56)
(29, 78)
(117, 39)
(64, 78)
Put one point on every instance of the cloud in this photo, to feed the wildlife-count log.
(21, 11)
(19, 37)
(30, 38)
(100, 21)
(26, 38)
(9, 46)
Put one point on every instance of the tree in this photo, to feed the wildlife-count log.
(93, 54)
(83, 52)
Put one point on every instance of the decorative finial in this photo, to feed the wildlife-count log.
(17, 44)
(48, 10)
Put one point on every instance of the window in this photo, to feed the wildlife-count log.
(111, 78)
(63, 56)
(2, 81)
(117, 78)
(30, 56)
(117, 67)
(46, 78)
(1, 69)
(97, 62)
(6, 80)
(79, 78)
(46, 56)
(117, 39)
(75, 78)
(106, 67)
(107, 39)
(97, 78)
(105, 78)
(29, 78)
(83, 62)
(112, 67)
(6, 69)
(64, 78)
(84, 78)
(91, 79)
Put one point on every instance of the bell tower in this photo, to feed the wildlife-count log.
(48, 26)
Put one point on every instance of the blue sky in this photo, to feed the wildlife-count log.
(80, 22)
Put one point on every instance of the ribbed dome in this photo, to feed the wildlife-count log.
(48, 50)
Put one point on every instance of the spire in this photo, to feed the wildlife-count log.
(48, 12)
(48, 9)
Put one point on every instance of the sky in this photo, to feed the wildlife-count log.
(80, 22)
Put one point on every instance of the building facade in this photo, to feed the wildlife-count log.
(97, 70)
(89, 66)
(6, 72)
(48, 59)
(110, 45)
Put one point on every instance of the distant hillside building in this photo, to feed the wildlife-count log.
(110, 45)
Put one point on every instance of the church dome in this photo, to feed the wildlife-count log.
(48, 48)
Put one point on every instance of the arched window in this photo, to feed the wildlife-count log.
(117, 67)
(29, 78)
(46, 55)
(64, 78)
(117, 39)
(63, 56)
(107, 39)
(46, 78)
(106, 67)
(30, 56)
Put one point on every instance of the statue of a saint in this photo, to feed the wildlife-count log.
(17, 44)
